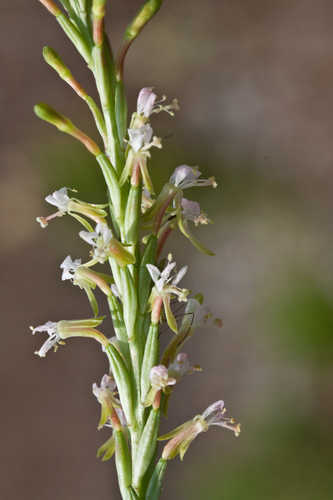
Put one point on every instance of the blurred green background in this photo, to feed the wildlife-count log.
(254, 80)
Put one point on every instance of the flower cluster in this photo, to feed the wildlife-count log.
(127, 235)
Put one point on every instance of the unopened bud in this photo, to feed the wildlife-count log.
(54, 60)
(144, 15)
(48, 114)
(51, 7)
(98, 13)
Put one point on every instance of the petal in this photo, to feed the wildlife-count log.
(154, 272)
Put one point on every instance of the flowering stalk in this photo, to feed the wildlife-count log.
(128, 235)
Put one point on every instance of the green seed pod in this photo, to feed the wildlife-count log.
(144, 287)
(132, 214)
(129, 301)
(150, 359)
(112, 184)
(123, 381)
(123, 459)
(121, 111)
(146, 448)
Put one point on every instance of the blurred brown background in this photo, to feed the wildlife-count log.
(255, 82)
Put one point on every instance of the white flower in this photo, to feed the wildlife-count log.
(100, 241)
(164, 280)
(165, 286)
(69, 268)
(214, 415)
(159, 377)
(59, 199)
(191, 211)
(185, 177)
(141, 139)
(182, 436)
(51, 329)
(146, 101)
(107, 387)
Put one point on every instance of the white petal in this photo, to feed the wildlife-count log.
(218, 406)
(146, 101)
(180, 275)
(154, 272)
(89, 237)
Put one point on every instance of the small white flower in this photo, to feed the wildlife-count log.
(69, 268)
(107, 387)
(141, 139)
(51, 329)
(214, 415)
(59, 199)
(159, 377)
(191, 211)
(146, 101)
(164, 280)
(165, 287)
(185, 177)
(100, 241)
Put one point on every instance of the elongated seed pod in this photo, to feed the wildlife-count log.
(146, 448)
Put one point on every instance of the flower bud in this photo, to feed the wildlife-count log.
(98, 13)
(48, 114)
(144, 15)
(51, 7)
(54, 60)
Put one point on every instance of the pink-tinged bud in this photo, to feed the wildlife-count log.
(98, 13)
(136, 175)
(48, 114)
(51, 7)
(156, 310)
(146, 101)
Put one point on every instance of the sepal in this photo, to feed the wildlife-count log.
(106, 451)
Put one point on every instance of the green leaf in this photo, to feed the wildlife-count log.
(92, 300)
